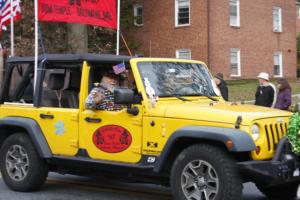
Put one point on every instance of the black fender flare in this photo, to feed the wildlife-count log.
(242, 141)
(34, 131)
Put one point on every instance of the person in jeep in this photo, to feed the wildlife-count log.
(101, 96)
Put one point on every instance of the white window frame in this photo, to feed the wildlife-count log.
(135, 8)
(178, 51)
(237, 4)
(279, 54)
(298, 11)
(177, 11)
(238, 52)
(277, 24)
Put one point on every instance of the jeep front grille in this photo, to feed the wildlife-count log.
(274, 133)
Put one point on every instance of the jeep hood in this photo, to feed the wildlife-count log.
(218, 112)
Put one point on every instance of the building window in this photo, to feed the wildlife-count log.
(277, 64)
(298, 11)
(138, 15)
(184, 54)
(234, 12)
(277, 19)
(235, 62)
(182, 12)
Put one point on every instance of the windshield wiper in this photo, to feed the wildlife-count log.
(185, 99)
(211, 97)
(208, 96)
(180, 97)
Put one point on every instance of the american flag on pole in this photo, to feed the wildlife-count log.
(8, 9)
(119, 68)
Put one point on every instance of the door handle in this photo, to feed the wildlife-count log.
(46, 116)
(93, 120)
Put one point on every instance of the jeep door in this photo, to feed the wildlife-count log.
(59, 111)
(108, 135)
(56, 115)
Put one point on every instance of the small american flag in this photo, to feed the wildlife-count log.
(6, 14)
(119, 68)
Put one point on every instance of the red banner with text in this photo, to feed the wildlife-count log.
(94, 12)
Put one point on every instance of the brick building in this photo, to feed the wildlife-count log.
(298, 35)
(239, 38)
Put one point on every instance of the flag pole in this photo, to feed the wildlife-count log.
(118, 28)
(36, 42)
(12, 39)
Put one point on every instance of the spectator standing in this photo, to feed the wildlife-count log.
(222, 85)
(265, 93)
(284, 98)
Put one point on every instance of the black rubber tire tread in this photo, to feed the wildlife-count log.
(280, 192)
(38, 168)
(230, 183)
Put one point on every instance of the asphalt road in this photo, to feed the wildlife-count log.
(60, 187)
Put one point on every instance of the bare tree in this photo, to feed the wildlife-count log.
(77, 38)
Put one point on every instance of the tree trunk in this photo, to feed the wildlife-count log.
(77, 38)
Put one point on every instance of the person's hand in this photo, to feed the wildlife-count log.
(98, 97)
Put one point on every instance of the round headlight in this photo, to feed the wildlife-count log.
(255, 131)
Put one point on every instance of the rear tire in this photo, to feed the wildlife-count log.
(279, 192)
(21, 167)
(205, 172)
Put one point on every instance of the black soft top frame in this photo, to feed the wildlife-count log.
(71, 58)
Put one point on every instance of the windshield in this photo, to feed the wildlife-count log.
(176, 79)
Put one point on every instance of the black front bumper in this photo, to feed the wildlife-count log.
(269, 172)
(283, 168)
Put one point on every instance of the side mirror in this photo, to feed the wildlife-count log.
(124, 96)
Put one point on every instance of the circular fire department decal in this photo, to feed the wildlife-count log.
(112, 139)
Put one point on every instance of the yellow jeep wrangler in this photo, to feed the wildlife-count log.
(174, 129)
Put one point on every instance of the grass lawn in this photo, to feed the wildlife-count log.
(243, 90)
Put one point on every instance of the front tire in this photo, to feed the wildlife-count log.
(205, 172)
(21, 167)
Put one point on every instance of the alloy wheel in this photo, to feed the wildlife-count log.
(17, 162)
(199, 181)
